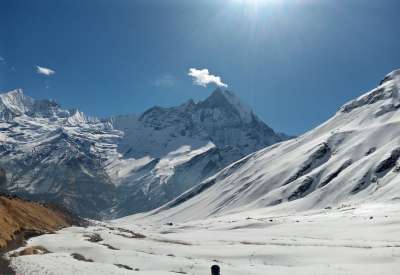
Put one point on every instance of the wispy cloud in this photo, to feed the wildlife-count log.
(44, 71)
(2, 60)
(203, 78)
(165, 80)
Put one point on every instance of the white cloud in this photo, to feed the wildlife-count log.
(2, 60)
(203, 78)
(44, 71)
(165, 80)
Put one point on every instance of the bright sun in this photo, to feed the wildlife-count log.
(253, 2)
(250, 1)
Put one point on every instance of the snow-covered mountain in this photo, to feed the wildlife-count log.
(54, 154)
(351, 158)
(221, 119)
(169, 150)
(126, 164)
(248, 218)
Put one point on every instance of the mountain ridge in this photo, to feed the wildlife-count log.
(100, 165)
(351, 158)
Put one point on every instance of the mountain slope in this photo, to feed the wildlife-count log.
(19, 216)
(52, 154)
(351, 158)
(172, 149)
(94, 169)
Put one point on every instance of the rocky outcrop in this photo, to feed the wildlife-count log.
(3, 178)
(21, 219)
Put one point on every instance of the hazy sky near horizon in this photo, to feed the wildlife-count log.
(294, 62)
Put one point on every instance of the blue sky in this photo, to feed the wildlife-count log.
(294, 62)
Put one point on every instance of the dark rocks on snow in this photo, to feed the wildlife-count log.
(123, 266)
(389, 162)
(80, 257)
(370, 151)
(333, 175)
(361, 184)
(317, 158)
(302, 189)
(94, 238)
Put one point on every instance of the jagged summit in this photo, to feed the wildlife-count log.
(228, 101)
(352, 158)
(183, 145)
(221, 118)
(14, 103)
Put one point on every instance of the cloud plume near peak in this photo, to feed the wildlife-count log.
(44, 71)
(203, 78)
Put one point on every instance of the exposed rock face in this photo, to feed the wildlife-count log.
(3, 178)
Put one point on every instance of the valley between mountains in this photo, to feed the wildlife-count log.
(180, 189)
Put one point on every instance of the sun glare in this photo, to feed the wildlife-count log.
(252, 2)
(255, 3)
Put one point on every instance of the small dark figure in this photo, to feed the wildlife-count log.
(215, 270)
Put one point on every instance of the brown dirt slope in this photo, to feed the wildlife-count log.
(18, 216)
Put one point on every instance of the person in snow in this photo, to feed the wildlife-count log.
(215, 270)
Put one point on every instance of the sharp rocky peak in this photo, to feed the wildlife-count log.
(14, 103)
(224, 99)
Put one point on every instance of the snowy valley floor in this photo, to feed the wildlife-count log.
(346, 240)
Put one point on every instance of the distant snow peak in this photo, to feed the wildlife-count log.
(223, 98)
(243, 109)
(14, 103)
(47, 151)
